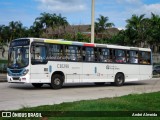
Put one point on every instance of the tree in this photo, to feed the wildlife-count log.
(36, 29)
(17, 30)
(1, 32)
(102, 24)
(137, 25)
(53, 21)
(44, 20)
(6, 33)
(58, 23)
(154, 31)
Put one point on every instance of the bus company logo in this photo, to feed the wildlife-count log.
(107, 67)
(62, 65)
(6, 114)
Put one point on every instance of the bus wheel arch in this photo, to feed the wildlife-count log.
(119, 79)
(57, 80)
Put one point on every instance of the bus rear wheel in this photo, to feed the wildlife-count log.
(37, 85)
(56, 81)
(119, 79)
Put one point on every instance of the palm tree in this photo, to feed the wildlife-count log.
(154, 31)
(47, 20)
(102, 24)
(12, 26)
(20, 30)
(17, 29)
(60, 22)
(36, 29)
(138, 25)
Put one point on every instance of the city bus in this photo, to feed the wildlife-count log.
(56, 61)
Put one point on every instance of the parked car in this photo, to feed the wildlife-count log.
(156, 70)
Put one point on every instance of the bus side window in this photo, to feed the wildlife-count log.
(73, 53)
(89, 54)
(120, 56)
(144, 57)
(54, 52)
(38, 54)
(132, 56)
(105, 55)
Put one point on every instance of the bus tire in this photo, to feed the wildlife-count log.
(37, 85)
(99, 83)
(119, 79)
(56, 81)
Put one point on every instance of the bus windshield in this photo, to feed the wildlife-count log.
(18, 57)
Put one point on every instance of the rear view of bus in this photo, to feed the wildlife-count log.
(18, 61)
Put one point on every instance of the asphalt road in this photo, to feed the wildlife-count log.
(15, 96)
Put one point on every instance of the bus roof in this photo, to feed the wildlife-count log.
(62, 41)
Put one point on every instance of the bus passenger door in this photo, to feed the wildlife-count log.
(39, 69)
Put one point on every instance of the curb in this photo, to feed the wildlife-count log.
(3, 77)
(3, 80)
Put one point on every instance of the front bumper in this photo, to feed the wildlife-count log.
(18, 79)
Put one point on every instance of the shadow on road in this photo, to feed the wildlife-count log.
(72, 86)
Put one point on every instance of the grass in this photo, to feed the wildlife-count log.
(129, 103)
(3, 61)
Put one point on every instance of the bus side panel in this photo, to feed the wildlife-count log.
(131, 72)
(73, 72)
(39, 74)
(108, 69)
(145, 72)
(93, 72)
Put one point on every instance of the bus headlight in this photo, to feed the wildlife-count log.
(25, 71)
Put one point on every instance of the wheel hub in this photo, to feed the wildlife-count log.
(57, 81)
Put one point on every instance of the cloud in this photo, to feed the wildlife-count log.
(131, 2)
(151, 8)
(146, 9)
(64, 6)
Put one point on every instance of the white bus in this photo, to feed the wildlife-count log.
(56, 61)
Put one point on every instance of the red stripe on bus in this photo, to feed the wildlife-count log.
(89, 44)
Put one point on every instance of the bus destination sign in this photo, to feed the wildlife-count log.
(22, 42)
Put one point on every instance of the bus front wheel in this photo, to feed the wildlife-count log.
(119, 79)
(37, 85)
(56, 81)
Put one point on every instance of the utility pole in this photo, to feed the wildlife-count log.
(92, 22)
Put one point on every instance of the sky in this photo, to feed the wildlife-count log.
(77, 12)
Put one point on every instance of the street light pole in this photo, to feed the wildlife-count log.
(92, 22)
